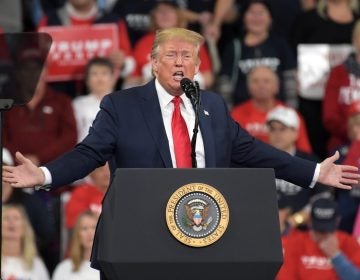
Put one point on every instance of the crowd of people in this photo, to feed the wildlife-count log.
(249, 58)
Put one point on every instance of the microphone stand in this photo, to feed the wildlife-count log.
(196, 104)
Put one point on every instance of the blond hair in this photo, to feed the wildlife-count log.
(28, 245)
(322, 6)
(76, 253)
(178, 33)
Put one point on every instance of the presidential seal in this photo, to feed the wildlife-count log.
(197, 214)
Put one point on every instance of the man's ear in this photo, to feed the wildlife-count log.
(154, 64)
(197, 67)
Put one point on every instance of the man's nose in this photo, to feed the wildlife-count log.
(179, 60)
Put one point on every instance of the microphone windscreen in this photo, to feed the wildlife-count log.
(187, 86)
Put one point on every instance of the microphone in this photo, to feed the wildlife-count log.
(192, 91)
(188, 88)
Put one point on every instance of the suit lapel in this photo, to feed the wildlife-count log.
(207, 135)
(150, 108)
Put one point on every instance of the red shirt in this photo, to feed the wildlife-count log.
(342, 89)
(253, 120)
(353, 155)
(303, 259)
(47, 131)
(142, 53)
(83, 198)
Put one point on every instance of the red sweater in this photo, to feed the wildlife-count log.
(84, 197)
(253, 120)
(353, 155)
(303, 260)
(47, 131)
(342, 89)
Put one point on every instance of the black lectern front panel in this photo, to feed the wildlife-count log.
(134, 241)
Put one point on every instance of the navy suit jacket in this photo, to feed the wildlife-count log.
(129, 132)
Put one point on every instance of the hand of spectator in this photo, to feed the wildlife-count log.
(204, 18)
(336, 175)
(117, 58)
(212, 32)
(24, 175)
(329, 245)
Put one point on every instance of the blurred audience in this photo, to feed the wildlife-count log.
(257, 46)
(350, 154)
(11, 16)
(263, 85)
(77, 266)
(222, 13)
(43, 129)
(330, 22)
(88, 196)
(136, 16)
(258, 70)
(86, 12)
(165, 14)
(19, 258)
(285, 13)
(40, 219)
(323, 252)
(342, 89)
(215, 19)
(283, 126)
(100, 80)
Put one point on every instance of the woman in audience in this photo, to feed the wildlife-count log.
(77, 266)
(257, 46)
(19, 258)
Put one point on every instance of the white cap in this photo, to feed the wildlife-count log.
(285, 115)
(7, 158)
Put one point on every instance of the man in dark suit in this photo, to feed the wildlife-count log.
(134, 128)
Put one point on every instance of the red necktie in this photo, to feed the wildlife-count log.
(181, 137)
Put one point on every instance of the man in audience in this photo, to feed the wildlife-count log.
(323, 252)
(283, 127)
(263, 85)
(45, 127)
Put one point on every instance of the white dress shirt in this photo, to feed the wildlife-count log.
(188, 113)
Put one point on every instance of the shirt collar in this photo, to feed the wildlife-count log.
(165, 98)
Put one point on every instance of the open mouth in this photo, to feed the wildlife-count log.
(178, 75)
